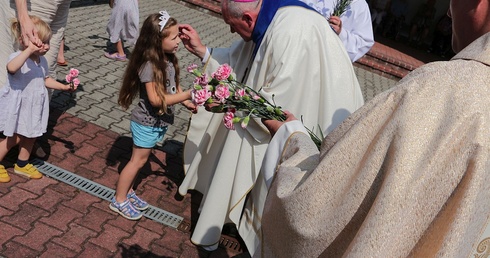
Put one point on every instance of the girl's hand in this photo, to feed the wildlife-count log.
(190, 106)
(33, 48)
(71, 87)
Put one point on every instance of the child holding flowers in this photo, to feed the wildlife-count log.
(153, 73)
(24, 101)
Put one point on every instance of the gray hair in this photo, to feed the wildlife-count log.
(236, 9)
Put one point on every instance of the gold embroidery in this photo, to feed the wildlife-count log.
(483, 249)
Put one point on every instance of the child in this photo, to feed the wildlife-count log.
(153, 73)
(123, 25)
(24, 102)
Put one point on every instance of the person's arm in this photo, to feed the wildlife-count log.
(187, 103)
(17, 62)
(170, 99)
(28, 30)
(55, 85)
(281, 133)
(357, 32)
(191, 41)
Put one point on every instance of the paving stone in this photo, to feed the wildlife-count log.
(81, 202)
(74, 238)
(92, 250)
(38, 236)
(141, 237)
(106, 238)
(9, 232)
(56, 250)
(16, 197)
(61, 217)
(14, 249)
(48, 200)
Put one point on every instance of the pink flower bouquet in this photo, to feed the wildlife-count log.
(72, 78)
(230, 96)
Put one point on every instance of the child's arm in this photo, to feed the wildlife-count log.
(188, 103)
(17, 62)
(55, 85)
(170, 99)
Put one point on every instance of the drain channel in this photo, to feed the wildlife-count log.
(101, 191)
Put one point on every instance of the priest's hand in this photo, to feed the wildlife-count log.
(191, 40)
(274, 125)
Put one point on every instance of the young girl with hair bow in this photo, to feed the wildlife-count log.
(153, 74)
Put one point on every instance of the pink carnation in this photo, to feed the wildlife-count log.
(76, 82)
(240, 93)
(222, 92)
(200, 96)
(222, 73)
(191, 68)
(74, 72)
(68, 78)
(228, 120)
(202, 80)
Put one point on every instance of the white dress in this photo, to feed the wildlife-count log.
(124, 21)
(24, 102)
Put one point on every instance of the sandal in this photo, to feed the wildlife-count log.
(65, 63)
(115, 56)
(125, 209)
(137, 202)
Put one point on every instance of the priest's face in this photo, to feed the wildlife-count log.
(470, 21)
(242, 24)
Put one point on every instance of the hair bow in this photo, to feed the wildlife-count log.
(164, 16)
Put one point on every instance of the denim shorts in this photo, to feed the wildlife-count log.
(147, 136)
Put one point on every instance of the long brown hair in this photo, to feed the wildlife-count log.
(149, 48)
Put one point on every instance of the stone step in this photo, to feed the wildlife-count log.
(384, 59)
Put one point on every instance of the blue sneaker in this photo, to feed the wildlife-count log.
(125, 209)
(137, 202)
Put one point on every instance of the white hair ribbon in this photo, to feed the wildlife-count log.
(164, 16)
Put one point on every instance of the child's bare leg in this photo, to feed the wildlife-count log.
(126, 179)
(7, 144)
(25, 147)
(120, 48)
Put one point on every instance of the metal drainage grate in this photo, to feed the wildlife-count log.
(101, 191)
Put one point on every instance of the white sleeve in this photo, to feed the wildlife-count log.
(276, 146)
(357, 30)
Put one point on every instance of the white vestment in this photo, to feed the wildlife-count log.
(305, 67)
(406, 175)
(357, 30)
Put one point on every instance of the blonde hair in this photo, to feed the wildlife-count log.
(43, 30)
(148, 48)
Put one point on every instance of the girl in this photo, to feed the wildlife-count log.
(153, 73)
(24, 102)
(123, 25)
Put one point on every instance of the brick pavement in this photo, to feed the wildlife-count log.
(88, 135)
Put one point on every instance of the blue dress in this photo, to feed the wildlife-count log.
(24, 101)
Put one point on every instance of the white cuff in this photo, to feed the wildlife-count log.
(206, 56)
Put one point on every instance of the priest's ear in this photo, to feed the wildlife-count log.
(249, 18)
